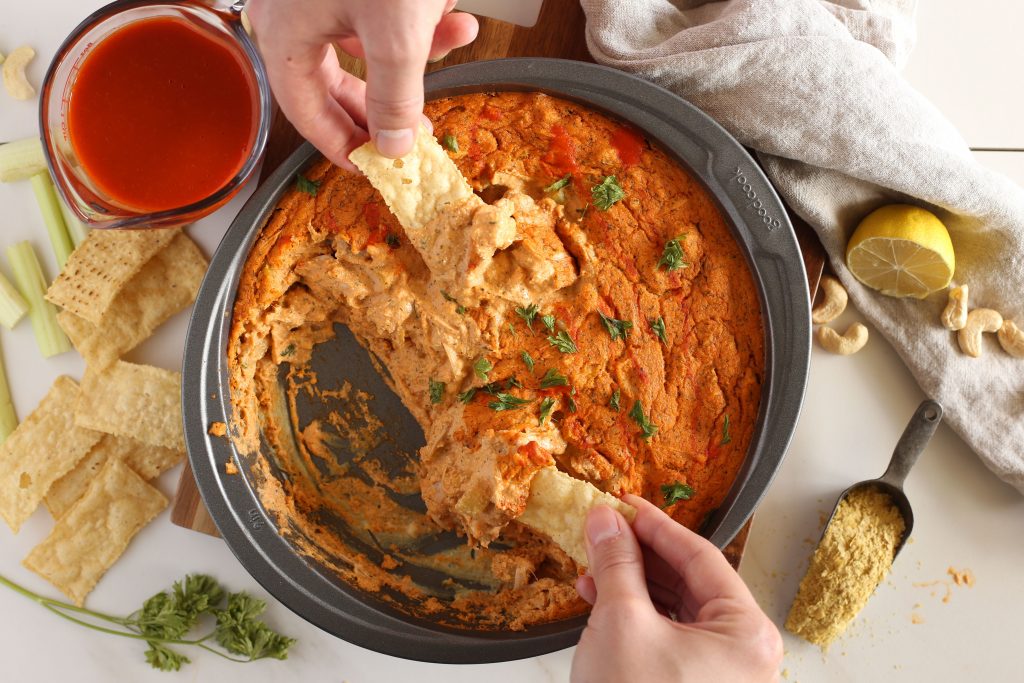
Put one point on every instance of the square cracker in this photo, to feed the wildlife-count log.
(137, 401)
(147, 461)
(45, 447)
(558, 507)
(166, 284)
(101, 266)
(86, 541)
(417, 187)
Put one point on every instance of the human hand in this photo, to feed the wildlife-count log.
(641, 574)
(332, 108)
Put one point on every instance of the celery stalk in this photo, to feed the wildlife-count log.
(12, 305)
(43, 315)
(76, 229)
(46, 198)
(21, 159)
(8, 418)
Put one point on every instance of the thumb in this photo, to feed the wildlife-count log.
(616, 562)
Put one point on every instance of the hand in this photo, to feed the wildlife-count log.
(719, 633)
(332, 108)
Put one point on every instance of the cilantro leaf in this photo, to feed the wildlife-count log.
(450, 143)
(527, 313)
(549, 322)
(436, 391)
(545, 409)
(571, 402)
(672, 257)
(647, 428)
(559, 184)
(513, 383)
(240, 632)
(613, 403)
(675, 492)
(459, 308)
(527, 359)
(467, 395)
(607, 193)
(508, 402)
(553, 378)
(563, 342)
(658, 327)
(726, 436)
(304, 184)
(481, 367)
(616, 328)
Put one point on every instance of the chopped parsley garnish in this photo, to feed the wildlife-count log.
(288, 351)
(563, 342)
(549, 322)
(512, 382)
(527, 359)
(647, 428)
(304, 184)
(450, 143)
(459, 308)
(672, 256)
(572, 403)
(614, 402)
(512, 329)
(467, 395)
(616, 328)
(508, 402)
(491, 388)
(553, 378)
(607, 193)
(559, 184)
(481, 367)
(527, 313)
(436, 391)
(726, 436)
(545, 409)
(658, 327)
(675, 492)
(391, 239)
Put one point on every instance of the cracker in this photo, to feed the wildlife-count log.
(137, 401)
(101, 266)
(558, 507)
(86, 541)
(147, 461)
(167, 283)
(78, 329)
(417, 187)
(45, 447)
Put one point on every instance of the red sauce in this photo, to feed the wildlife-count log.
(491, 113)
(161, 114)
(628, 143)
(562, 152)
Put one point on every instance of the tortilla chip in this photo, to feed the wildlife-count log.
(417, 187)
(167, 283)
(558, 507)
(78, 329)
(86, 541)
(45, 447)
(138, 401)
(147, 461)
(101, 266)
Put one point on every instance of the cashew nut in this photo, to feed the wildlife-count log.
(833, 301)
(1011, 338)
(979, 321)
(14, 73)
(851, 341)
(954, 317)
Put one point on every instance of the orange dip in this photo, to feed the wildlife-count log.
(161, 115)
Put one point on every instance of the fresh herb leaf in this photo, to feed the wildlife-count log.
(162, 618)
(436, 391)
(563, 342)
(288, 351)
(559, 184)
(527, 359)
(467, 395)
(513, 383)
(726, 436)
(616, 328)
(658, 327)
(240, 632)
(545, 409)
(491, 388)
(673, 493)
(391, 239)
(614, 402)
(572, 403)
(549, 322)
(450, 143)
(459, 308)
(527, 313)
(647, 428)
(512, 329)
(508, 402)
(197, 594)
(607, 193)
(165, 659)
(304, 184)
(481, 367)
(672, 257)
(553, 378)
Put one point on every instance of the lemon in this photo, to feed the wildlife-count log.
(901, 251)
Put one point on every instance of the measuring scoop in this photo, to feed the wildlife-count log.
(915, 437)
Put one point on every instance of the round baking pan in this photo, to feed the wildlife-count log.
(758, 222)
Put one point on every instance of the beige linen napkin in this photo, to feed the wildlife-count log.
(814, 87)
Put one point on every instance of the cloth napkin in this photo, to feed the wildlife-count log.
(815, 88)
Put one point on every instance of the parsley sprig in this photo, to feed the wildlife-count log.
(607, 193)
(549, 322)
(617, 329)
(647, 428)
(508, 402)
(167, 618)
(459, 308)
(672, 256)
(658, 327)
(613, 403)
(527, 360)
(675, 492)
(545, 410)
(559, 184)
(726, 436)
(436, 391)
(563, 342)
(304, 184)
(528, 313)
(481, 367)
(553, 378)
(451, 143)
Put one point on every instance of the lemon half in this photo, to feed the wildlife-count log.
(902, 250)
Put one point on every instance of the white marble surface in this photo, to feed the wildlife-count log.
(855, 410)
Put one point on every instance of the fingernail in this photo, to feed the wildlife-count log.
(427, 122)
(394, 143)
(439, 58)
(602, 524)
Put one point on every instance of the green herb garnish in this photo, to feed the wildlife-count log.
(563, 342)
(553, 378)
(614, 402)
(672, 256)
(391, 239)
(658, 327)
(647, 428)
(288, 351)
(508, 402)
(527, 359)
(527, 313)
(676, 492)
(545, 409)
(481, 367)
(559, 184)
(572, 403)
(512, 329)
(459, 308)
(726, 437)
(304, 184)
(467, 395)
(450, 143)
(549, 322)
(436, 391)
(513, 383)
(607, 193)
(616, 328)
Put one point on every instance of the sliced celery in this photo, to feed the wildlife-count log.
(21, 159)
(43, 315)
(8, 418)
(49, 205)
(76, 229)
(12, 304)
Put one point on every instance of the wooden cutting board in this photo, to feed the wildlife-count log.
(558, 33)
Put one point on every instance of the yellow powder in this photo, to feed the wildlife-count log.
(851, 561)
